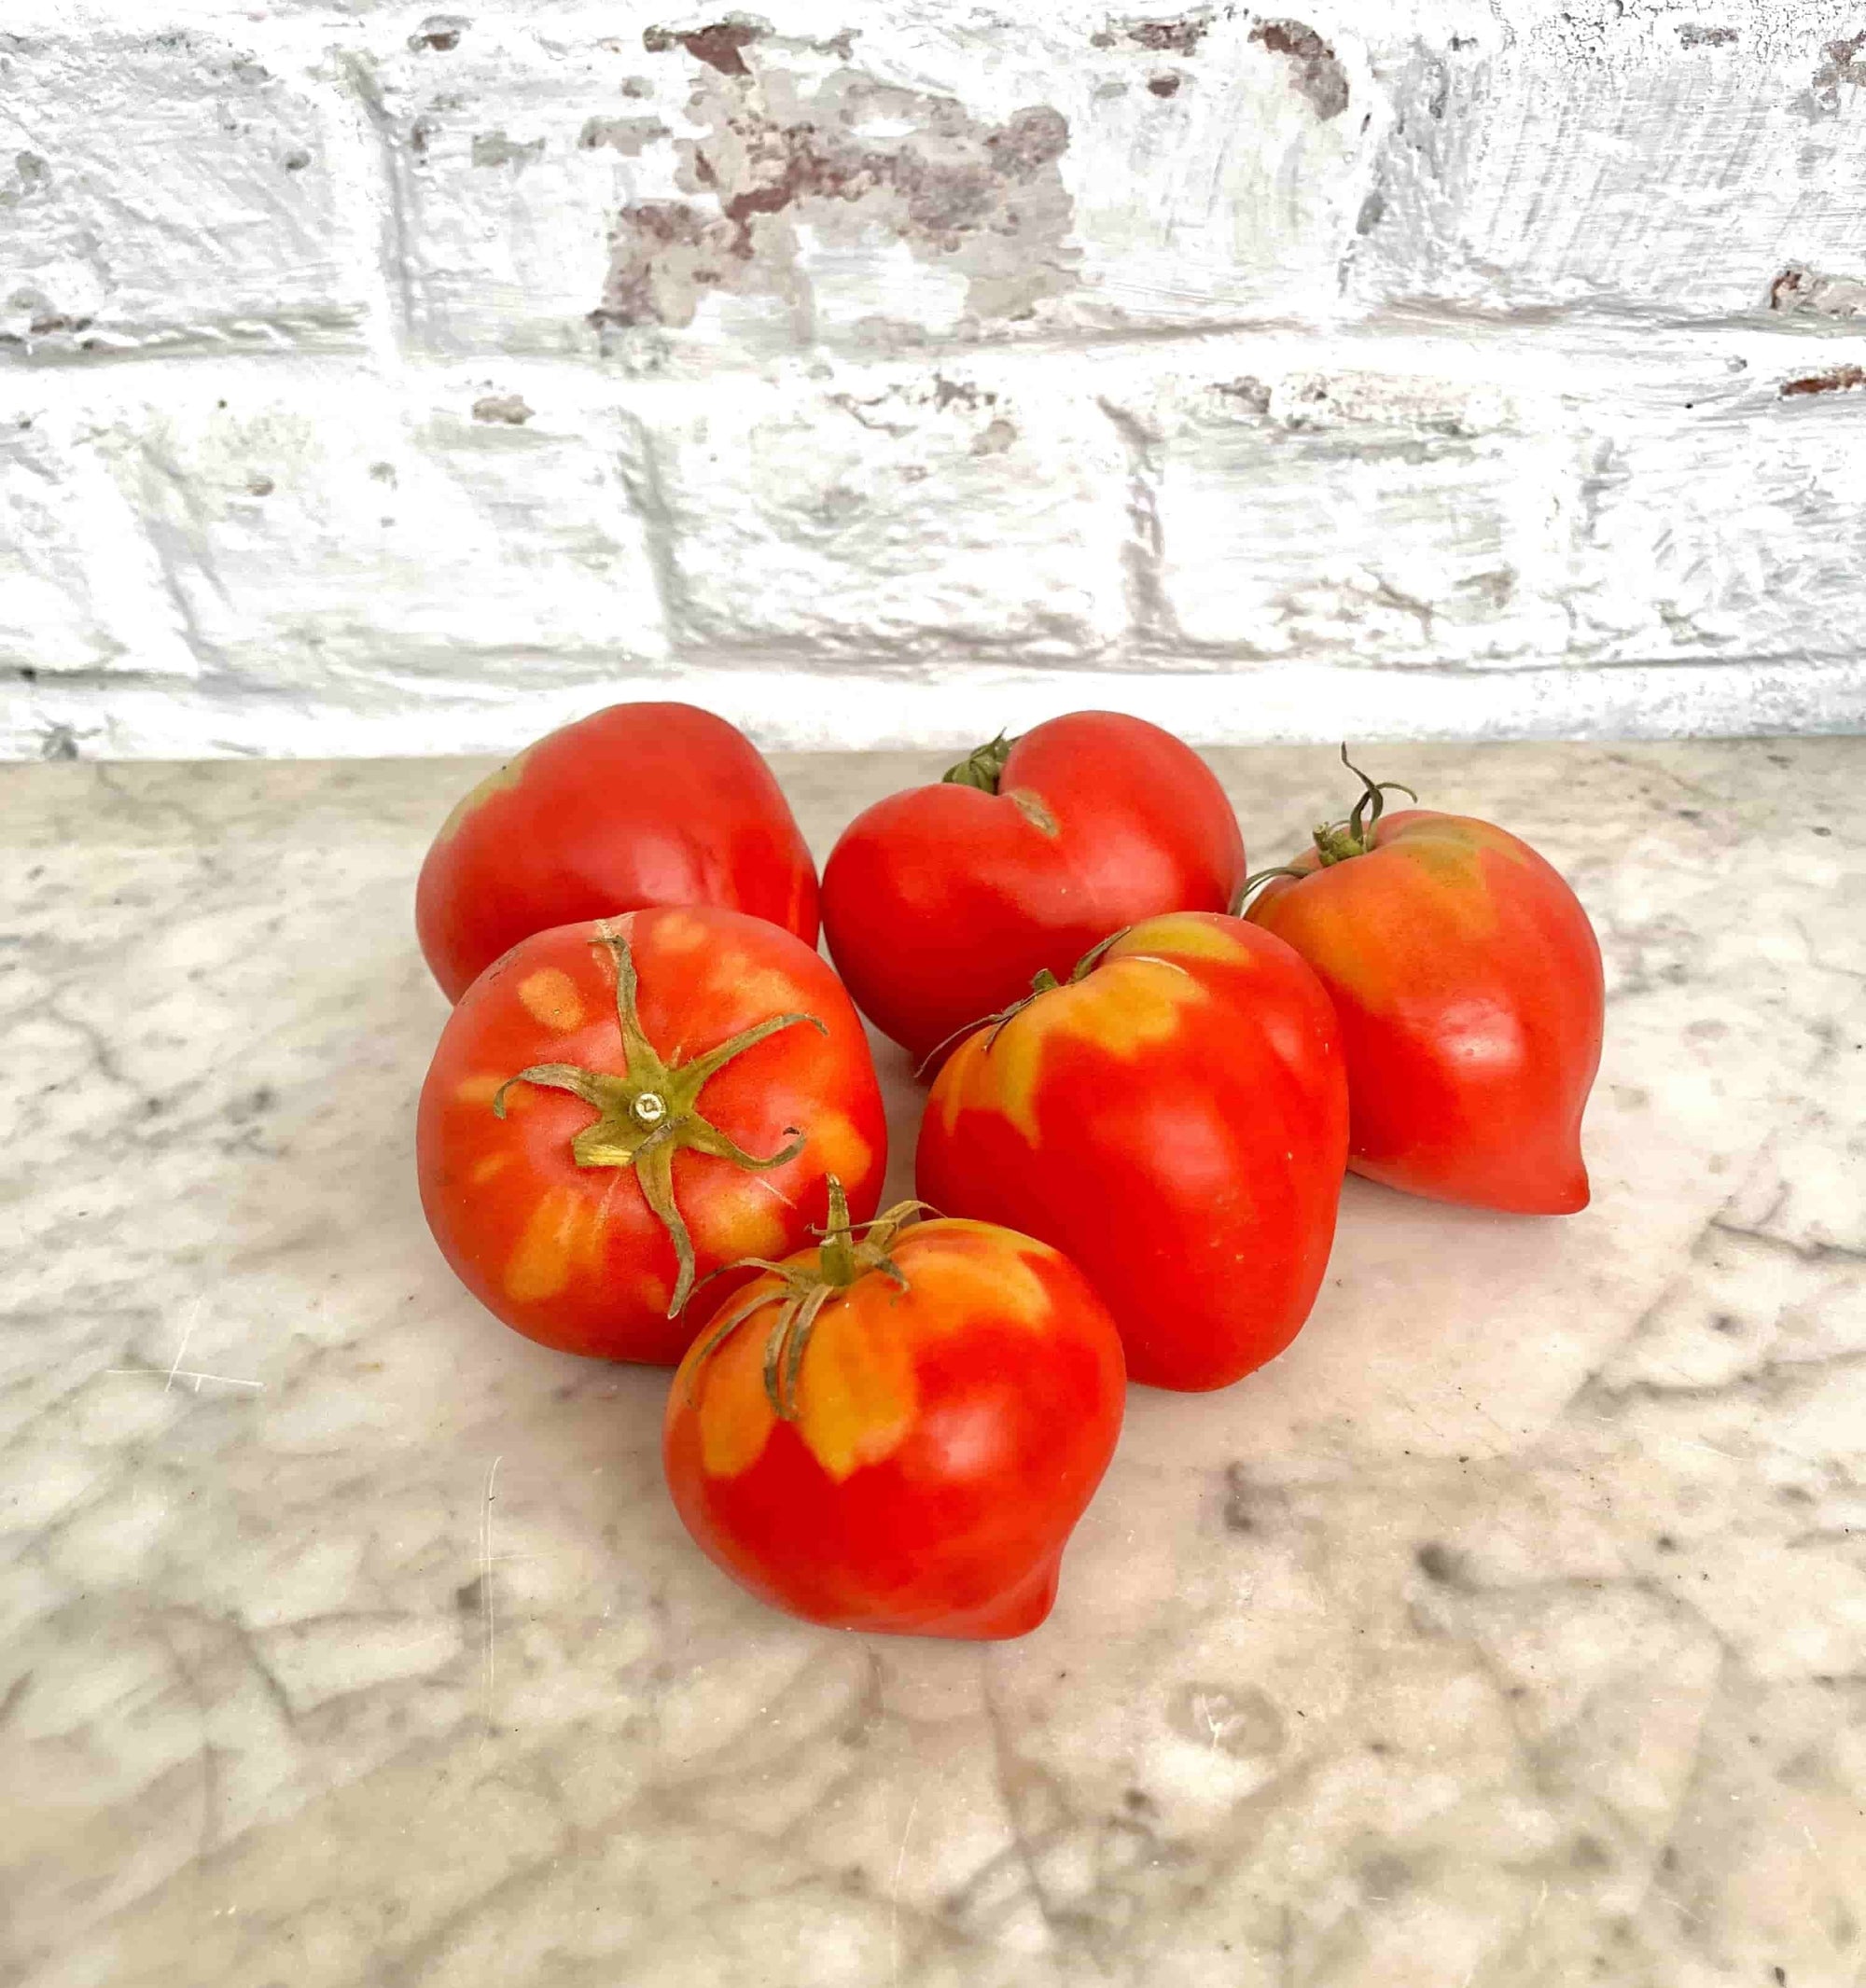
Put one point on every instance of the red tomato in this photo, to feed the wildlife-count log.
(941, 903)
(898, 1431)
(616, 1109)
(1174, 1119)
(640, 804)
(1468, 982)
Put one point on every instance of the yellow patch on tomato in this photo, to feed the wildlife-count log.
(490, 1168)
(964, 1270)
(501, 782)
(1185, 934)
(549, 996)
(737, 1217)
(564, 1233)
(757, 992)
(836, 1146)
(856, 1396)
(734, 1413)
(481, 1090)
(1124, 1007)
(676, 932)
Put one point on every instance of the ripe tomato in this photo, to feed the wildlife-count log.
(942, 902)
(898, 1431)
(640, 804)
(1174, 1119)
(1468, 982)
(617, 1108)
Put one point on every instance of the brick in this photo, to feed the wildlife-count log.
(1351, 511)
(1543, 502)
(1605, 157)
(165, 192)
(336, 541)
(500, 211)
(676, 201)
(914, 515)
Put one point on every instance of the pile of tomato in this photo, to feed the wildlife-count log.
(652, 1129)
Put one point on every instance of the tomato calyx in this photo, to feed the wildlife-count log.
(982, 769)
(848, 1253)
(648, 1113)
(1335, 841)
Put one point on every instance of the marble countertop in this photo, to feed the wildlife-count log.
(1510, 1629)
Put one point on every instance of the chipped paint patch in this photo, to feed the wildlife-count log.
(1317, 76)
(851, 156)
(509, 408)
(1799, 292)
(1835, 379)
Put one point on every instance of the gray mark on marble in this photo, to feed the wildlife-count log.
(175, 1372)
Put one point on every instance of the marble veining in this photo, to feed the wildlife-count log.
(1509, 1630)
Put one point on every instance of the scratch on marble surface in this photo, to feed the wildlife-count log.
(175, 1372)
(486, 1585)
(894, 1889)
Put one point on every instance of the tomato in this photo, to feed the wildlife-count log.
(1174, 1120)
(898, 1431)
(640, 804)
(1468, 985)
(941, 903)
(619, 1108)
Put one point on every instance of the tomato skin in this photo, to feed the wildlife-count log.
(949, 1437)
(1176, 1123)
(1468, 985)
(636, 805)
(941, 903)
(573, 1256)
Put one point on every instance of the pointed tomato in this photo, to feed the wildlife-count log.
(1468, 985)
(1174, 1119)
(898, 1431)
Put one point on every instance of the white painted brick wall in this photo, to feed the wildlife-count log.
(377, 378)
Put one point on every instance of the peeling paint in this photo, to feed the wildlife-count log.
(1317, 77)
(441, 33)
(986, 201)
(1804, 292)
(1164, 85)
(720, 47)
(1844, 63)
(1169, 36)
(510, 409)
(1690, 36)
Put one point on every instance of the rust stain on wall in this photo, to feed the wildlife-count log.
(850, 157)
(1317, 75)
(1163, 37)
(1836, 379)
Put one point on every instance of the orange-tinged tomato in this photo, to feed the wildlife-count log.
(616, 1109)
(1174, 1119)
(636, 805)
(1468, 985)
(899, 1430)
